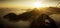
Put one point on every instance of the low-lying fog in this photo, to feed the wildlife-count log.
(54, 14)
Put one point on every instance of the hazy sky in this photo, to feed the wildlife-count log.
(26, 3)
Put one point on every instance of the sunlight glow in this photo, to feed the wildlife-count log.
(37, 4)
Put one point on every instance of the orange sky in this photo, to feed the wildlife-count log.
(27, 3)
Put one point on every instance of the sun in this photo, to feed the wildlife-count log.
(37, 4)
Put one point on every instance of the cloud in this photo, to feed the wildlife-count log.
(56, 17)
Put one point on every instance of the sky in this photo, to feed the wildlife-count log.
(26, 3)
(23, 4)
